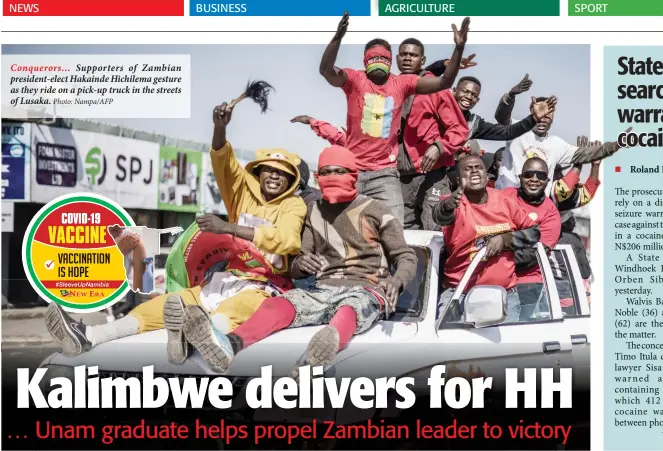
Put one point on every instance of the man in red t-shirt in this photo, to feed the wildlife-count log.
(531, 197)
(474, 217)
(375, 98)
(433, 129)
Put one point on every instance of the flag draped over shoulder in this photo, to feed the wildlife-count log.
(196, 255)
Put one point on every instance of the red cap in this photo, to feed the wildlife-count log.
(337, 156)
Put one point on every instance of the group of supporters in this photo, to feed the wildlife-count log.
(408, 159)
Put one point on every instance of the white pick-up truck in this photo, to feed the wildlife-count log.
(409, 343)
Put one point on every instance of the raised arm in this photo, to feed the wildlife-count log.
(507, 131)
(335, 76)
(430, 85)
(323, 129)
(228, 172)
(568, 194)
(437, 68)
(497, 132)
(590, 153)
(508, 101)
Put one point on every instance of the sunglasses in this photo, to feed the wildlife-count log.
(541, 175)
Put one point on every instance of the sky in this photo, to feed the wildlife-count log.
(220, 73)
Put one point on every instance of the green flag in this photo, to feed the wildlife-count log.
(176, 275)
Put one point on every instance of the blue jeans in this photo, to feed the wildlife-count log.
(304, 284)
(512, 304)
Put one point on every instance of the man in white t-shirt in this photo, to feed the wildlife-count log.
(539, 143)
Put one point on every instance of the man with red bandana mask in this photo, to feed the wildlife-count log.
(346, 239)
(375, 99)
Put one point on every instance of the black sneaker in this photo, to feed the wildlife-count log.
(173, 319)
(69, 334)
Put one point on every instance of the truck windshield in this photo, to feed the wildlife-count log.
(411, 302)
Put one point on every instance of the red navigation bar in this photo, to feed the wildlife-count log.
(93, 8)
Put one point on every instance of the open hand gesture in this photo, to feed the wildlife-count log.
(342, 27)
(466, 63)
(522, 86)
(460, 36)
(544, 108)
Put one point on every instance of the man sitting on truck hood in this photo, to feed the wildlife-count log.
(349, 243)
(532, 198)
(475, 216)
(266, 218)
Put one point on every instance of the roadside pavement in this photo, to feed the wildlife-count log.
(27, 327)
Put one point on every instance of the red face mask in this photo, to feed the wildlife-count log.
(338, 188)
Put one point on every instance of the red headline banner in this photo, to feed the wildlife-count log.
(94, 8)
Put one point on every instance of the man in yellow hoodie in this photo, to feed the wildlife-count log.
(266, 219)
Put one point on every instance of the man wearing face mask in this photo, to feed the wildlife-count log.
(539, 143)
(375, 98)
(432, 130)
(532, 198)
(346, 239)
(230, 267)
